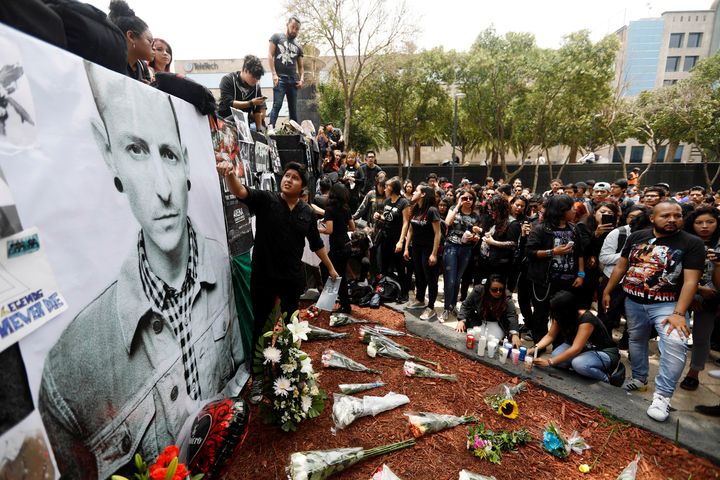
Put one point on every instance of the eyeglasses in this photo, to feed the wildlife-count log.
(497, 290)
(465, 199)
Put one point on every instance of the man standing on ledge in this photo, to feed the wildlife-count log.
(282, 223)
(285, 58)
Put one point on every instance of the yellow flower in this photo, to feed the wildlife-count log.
(509, 409)
(584, 468)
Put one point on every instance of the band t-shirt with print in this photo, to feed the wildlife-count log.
(461, 224)
(655, 265)
(392, 215)
(286, 54)
(562, 267)
(423, 233)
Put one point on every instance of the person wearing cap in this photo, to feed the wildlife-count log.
(634, 177)
(601, 192)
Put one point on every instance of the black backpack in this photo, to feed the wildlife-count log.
(388, 288)
(357, 291)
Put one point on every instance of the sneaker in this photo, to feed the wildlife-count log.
(660, 408)
(427, 314)
(714, 373)
(271, 131)
(444, 316)
(415, 304)
(402, 299)
(256, 391)
(634, 385)
(689, 383)
(712, 410)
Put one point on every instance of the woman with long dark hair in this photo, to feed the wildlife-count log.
(424, 236)
(490, 305)
(394, 222)
(463, 232)
(703, 222)
(138, 37)
(338, 222)
(587, 347)
(554, 253)
(499, 243)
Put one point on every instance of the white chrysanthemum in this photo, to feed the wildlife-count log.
(371, 349)
(282, 386)
(306, 403)
(314, 391)
(299, 330)
(306, 366)
(288, 368)
(272, 355)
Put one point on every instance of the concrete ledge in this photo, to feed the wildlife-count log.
(699, 438)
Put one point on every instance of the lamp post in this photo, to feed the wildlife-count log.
(454, 137)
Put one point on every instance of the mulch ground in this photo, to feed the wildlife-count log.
(442, 455)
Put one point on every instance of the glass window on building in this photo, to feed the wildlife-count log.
(662, 150)
(667, 83)
(619, 154)
(694, 40)
(690, 62)
(672, 64)
(678, 154)
(636, 154)
(676, 40)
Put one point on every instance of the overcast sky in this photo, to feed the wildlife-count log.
(217, 29)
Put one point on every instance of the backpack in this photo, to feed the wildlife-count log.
(388, 288)
(358, 292)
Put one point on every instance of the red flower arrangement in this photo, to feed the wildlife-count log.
(166, 467)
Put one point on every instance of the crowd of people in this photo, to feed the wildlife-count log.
(579, 257)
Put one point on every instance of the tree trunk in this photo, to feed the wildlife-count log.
(416, 155)
(653, 159)
(398, 152)
(572, 158)
(559, 174)
(346, 126)
(536, 174)
(670, 151)
(549, 163)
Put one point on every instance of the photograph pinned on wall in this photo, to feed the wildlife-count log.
(243, 127)
(9, 218)
(274, 156)
(17, 111)
(25, 451)
(246, 159)
(262, 157)
(267, 182)
(225, 144)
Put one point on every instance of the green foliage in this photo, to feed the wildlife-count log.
(489, 445)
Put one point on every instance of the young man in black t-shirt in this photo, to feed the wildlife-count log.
(241, 90)
(661, 268)
(286, 64)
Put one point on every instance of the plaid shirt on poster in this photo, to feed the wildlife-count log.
(175, 306)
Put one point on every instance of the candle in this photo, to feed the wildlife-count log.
(515, 355)
(503, 355)
(481, 344)
(529, 363)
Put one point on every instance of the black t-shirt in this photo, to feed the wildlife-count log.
(461, 224)
(600, 338)
(500, 255)
(562, 267)
(286, 54)
(232, 88)
(423, 234)
(340, 218)
(393, 217)
(280, 235)
(655, 265)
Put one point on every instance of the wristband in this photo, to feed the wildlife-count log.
(549, 252)
(675, 312)
(581, 274)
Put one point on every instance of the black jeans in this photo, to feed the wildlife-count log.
(426, 275)
(392, 262)
(540, 298)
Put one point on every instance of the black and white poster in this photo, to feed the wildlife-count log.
(121, 182)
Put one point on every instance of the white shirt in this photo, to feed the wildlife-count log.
(609, 253)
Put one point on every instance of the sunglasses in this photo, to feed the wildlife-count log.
(497, 290)
(466, 199)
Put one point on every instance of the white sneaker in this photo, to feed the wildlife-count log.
(660, 408)
(714, 373)
(444, 316)
(415, 304)
(270, 130)
(634, 385)
(427, 314)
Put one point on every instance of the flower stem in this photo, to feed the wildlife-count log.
(373, 452)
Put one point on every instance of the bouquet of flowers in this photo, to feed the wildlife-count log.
(554, 442)
(290, 389)
(165, 467)
(391, 351)
(367, 335)
(347, 409)
(350, 388)
(384, 473)
(413, 369)
(630, 472)
(341, 319)
(321, 464)
(390, 332)
(317, 333)
(501, 399)
(312, 312)
(426, 422)
(489, 445)
(465, 475)
(333, 359)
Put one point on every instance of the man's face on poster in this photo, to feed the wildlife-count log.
(147, 157)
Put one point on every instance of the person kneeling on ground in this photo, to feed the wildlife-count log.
(490, 304)
(588, 347)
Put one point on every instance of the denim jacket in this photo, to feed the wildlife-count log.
(113, 384)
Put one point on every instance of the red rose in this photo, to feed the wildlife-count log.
(157, 472)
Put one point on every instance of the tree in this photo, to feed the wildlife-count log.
(356, 33)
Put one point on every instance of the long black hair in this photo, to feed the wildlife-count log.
(499, 209)
(428, 201)
(490, 307)
(124, 17)
(339, 197)
(564, 308)
(556, 207)
(690, 222)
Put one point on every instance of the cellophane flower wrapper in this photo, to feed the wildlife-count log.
(321, 464)
(389, 331)
(576, 443)
(630, 472)
(390, 351)
(495, 396)
(466, 475)
(367, 335)
(341, 319)
(317, 333)
(412, 369)
(347, 409)
(384, 473)
(554, 441)
(332, 359)
(351, 388)
(427, 422)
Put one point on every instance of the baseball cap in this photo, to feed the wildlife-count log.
(602, 186)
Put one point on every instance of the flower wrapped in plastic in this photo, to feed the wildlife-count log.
(341, 319)
(426, 422)
(332, 359)
(384, 473)
(347, 409)
(321, 464)
(390, 332)
(317, 333)
(350, 388)
(630, 472)
(501, 398)
(367, 335)
(466, 475)
(489, 445)
(412, 369)
(391, 351)
(556, 443)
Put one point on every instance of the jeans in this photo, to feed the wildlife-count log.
(426, 275)
(591, 364)
(455, 258)
(703, 323)
(286, 86)
(673, 348)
